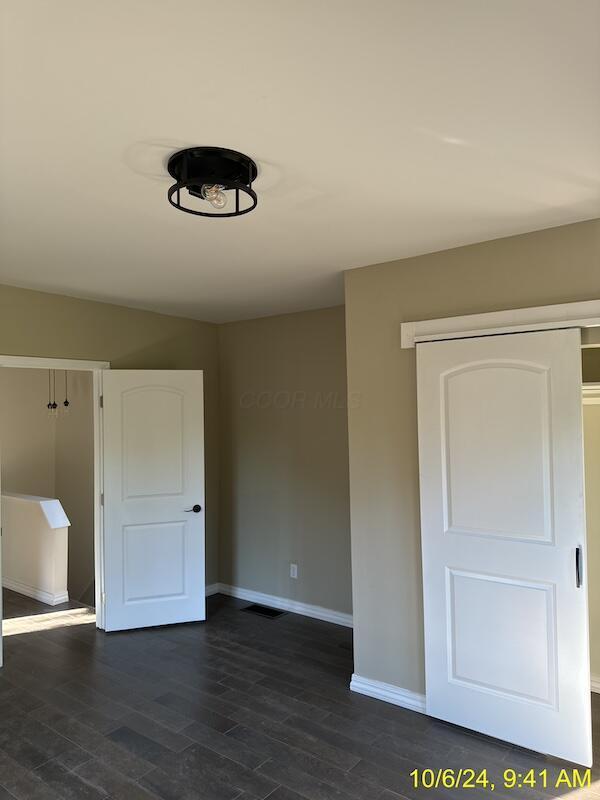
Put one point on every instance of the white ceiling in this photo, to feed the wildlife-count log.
(382, 129)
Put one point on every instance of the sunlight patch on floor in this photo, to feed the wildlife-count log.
(47, 622)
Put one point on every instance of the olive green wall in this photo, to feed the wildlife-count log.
(284, 451)
(558, 265)
(54, 326)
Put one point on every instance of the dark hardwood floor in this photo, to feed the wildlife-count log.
(241, 707)
(18, 605)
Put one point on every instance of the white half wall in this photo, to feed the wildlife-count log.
(34, 547)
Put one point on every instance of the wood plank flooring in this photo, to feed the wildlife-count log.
(18, 605)
(238, 708)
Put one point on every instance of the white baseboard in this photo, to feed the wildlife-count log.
(389, 693)
(38, 594)
(213, 588)
(407, 699)
(285, 604)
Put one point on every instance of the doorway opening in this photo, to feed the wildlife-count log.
(47, 479)
(148, 486)
(50, 457)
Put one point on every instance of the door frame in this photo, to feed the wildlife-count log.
(97, 369)
(591, 394)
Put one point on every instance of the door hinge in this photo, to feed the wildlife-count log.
(101, 401)
(101, 498)
(103, 598)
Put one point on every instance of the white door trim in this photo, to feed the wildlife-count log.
(585, 314)
(96, 368)
(591, 394)
(29, 362)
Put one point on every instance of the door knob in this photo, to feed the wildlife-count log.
(196, 509)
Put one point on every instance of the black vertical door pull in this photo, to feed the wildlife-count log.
(578, 570)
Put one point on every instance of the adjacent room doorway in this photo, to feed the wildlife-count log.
(148, 492)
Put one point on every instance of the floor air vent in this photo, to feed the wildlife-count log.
(264, 611)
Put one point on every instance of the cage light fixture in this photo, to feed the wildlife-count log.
(219, 177)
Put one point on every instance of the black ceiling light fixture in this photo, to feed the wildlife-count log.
(219, 177)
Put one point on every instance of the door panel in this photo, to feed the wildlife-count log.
(502, 515)
(502, 635)
(154, 561)
(506, 433)
(153, 454)
(153, 475)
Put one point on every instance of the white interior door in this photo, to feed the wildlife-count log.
(153, 498)
(503, 536)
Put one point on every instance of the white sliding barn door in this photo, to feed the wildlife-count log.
(153, 498)
(503, 536)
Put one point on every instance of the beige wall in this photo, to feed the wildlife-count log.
(74, 480)
(285, 494)
(27, 434)
(552, 266)
(284, 480)
(54, 326)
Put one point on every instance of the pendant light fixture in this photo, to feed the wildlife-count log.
(66, 402)
(52, 404)
(219, 177)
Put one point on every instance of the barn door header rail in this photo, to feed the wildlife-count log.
(585, 314)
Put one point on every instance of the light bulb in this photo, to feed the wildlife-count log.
(219, 200)
(215, 196)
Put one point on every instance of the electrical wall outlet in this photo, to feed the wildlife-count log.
(293, 570)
